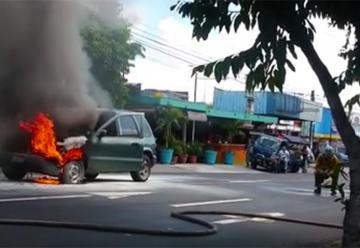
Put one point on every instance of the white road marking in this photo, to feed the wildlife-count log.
(117, 195)
(190, 204)
(261, 220)
(273, 214)
(36, 198)
(249, 181)
(230, 221)
(238, 219)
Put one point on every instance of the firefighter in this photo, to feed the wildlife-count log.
(326, 166)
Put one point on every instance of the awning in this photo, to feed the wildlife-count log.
(196, 116)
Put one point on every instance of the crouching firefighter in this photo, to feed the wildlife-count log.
(326, 166)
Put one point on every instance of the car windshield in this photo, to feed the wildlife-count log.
(268, 143)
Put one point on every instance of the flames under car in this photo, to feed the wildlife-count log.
(122, 141)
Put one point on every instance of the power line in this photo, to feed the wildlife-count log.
(169, 46)
(164, 52)
(158, 46)
(159, 37)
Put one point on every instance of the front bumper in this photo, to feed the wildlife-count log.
(29, 163)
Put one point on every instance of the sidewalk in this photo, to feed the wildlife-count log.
(203, 168)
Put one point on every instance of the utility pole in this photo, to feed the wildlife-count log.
(194, 123)
(311, 131)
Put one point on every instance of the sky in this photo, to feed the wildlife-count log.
(155, 26)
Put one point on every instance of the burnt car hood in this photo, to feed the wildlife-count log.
(29, 163)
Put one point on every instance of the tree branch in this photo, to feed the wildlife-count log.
(330, 88)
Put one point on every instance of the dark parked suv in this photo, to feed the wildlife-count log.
(122, 141)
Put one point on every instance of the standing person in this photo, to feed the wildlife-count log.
(307, 157)
(284, 157)
(326, 166)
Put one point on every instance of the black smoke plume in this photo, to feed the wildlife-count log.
(42, 65)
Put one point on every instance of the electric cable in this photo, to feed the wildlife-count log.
(210, 229)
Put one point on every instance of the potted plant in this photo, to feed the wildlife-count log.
(178, 150)
(183, 158)
(167, 119)
(195, 151)
(210, 155)
(231, 129)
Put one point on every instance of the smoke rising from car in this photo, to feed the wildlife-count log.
(42, 65)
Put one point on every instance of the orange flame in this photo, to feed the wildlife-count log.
(43, 140)
(46, 180)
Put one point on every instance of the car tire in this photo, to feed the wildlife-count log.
(12, 173)
(144, 173)
(91, 176)
(73, 173)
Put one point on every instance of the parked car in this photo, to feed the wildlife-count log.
(262, 153)
(121, 141)
(249, 148)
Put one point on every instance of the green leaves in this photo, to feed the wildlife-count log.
(237, 63)
(352, 101)
(291, 48)
(290, 65)
(218, 71)
(209, 69)
(111, 55)
(237, 22)
(267, 60)
(168, 119)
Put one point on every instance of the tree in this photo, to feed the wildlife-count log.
(284, 25)
(167, 119)
(111, 53)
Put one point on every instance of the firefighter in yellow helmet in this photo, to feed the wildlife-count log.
(326, 166)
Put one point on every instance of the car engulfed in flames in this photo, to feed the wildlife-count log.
(120, 141)
(46, 154)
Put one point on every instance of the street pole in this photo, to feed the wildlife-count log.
(193, 123)
(195, 87)
(311, 131)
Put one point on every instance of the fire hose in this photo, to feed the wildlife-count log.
(210, 229)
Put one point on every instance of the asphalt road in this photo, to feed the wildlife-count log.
(116, 200)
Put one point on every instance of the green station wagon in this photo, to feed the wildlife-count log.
(121, 141)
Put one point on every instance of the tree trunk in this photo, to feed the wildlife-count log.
(351, 236)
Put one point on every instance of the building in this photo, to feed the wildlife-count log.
(291, 111)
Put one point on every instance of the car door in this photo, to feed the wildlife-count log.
(109, 152)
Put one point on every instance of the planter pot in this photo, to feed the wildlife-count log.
(192, 159)
(228, 158)
(183, 158)
(175, 159)
(210, 157)
(165, 156)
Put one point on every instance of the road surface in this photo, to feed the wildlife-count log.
(116, 200)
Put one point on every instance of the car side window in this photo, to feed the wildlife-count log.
(128, 126)
(111, 129)
(146, 129)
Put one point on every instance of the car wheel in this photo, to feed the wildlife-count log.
(12, 173)
(73, 173)
(91, 176)
(144, 173)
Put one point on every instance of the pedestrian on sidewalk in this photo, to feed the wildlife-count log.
(326, 166)
(284, 157)
(307, 157)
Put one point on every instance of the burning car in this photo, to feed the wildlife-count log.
(121, 141)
